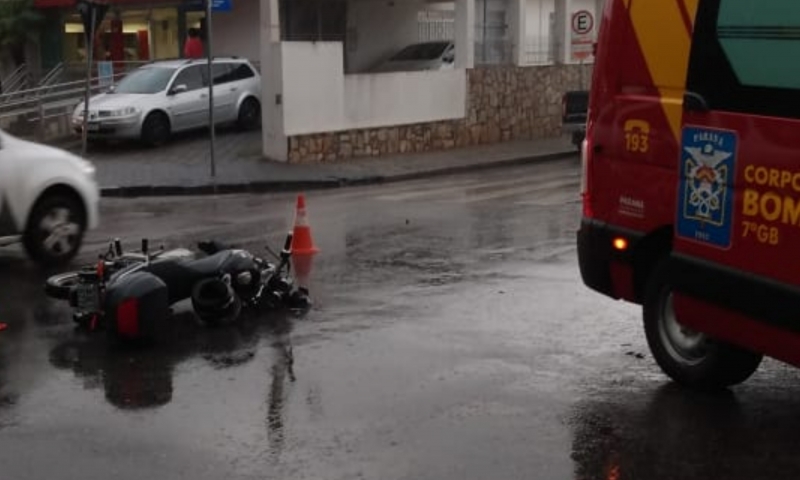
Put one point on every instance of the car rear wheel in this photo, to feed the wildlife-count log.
(690, 358)
(249, 115)
(55, 230)
(156, 129)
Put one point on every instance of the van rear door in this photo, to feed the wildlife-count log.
(738, 206)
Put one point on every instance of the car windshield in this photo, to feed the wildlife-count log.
(145, 80)
(421, 51)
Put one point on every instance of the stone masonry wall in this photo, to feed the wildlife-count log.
(503, 104)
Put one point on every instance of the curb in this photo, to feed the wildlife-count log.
(322, 184)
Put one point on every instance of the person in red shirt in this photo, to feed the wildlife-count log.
(194, 46)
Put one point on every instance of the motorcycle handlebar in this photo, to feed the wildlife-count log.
(287, 245)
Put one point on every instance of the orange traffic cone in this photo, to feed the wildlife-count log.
(303, 265)
(302, 244)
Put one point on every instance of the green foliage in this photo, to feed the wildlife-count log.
(19, 23)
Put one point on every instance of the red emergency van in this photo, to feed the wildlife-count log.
(691, 180)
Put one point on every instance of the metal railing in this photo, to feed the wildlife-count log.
(493, 52)
(53, 76)
(20, 101)
(18, 79)
(538, 51)
(435, 25)
(27, 112)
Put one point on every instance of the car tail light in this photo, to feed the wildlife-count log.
(128, 318)
(586, 183)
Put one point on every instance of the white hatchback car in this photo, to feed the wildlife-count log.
(161, 98)
(48, 199)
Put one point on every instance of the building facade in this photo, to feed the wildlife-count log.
(326, 97)
(144, 30)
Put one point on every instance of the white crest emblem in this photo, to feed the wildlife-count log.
(706, 179)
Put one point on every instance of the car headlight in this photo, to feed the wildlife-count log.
(124, 112)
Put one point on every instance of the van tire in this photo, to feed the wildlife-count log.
(689, 358)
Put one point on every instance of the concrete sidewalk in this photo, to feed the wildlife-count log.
(183, 166)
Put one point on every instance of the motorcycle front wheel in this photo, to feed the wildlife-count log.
(60, 286)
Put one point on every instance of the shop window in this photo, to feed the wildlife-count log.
(314, 21)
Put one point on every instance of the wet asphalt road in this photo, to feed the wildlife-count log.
(451, 338)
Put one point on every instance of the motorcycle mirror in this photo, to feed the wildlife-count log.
(118, 246)
(144, 246)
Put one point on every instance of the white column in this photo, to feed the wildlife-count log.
(600, 6)
(465, 33)
(518, 29)
(561, 33)
(275, 143)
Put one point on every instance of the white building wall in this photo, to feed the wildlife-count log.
(377, 29)
(237, 32)
(319, 97)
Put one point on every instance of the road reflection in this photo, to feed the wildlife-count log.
(142, 377)
(674, 433)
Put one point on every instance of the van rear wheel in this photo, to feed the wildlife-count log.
(690, 358)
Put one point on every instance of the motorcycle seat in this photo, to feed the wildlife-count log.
(181, 276)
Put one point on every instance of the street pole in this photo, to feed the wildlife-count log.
(210, 93)
(90, 49)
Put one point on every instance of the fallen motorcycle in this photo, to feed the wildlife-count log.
(131, 294)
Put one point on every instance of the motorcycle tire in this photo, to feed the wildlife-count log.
(215, 302)
(60, 286)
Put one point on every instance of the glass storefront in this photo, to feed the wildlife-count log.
(156, 33)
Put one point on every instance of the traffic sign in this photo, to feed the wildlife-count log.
(582, 22)
(582, 36)
(221, 5)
